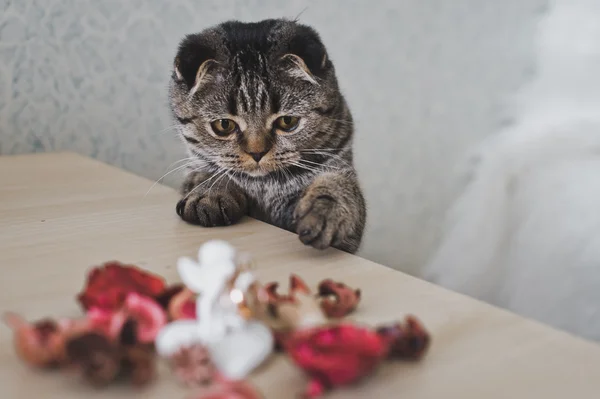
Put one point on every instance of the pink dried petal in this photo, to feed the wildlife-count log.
(188, 310)
(314, 389)
(183, 305)
(107, 322)
(150, 317)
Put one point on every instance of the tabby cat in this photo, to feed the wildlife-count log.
(268, 133)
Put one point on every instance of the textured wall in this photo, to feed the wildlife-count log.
(425, 79)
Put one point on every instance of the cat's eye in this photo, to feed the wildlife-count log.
(287, 123)
(224, 127)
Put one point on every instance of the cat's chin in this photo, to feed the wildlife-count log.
(257, 172)
(260, 170)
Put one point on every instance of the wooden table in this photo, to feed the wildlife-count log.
(61, 214)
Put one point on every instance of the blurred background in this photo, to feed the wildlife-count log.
(426, 79)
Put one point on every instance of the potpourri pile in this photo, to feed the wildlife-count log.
(213, 330)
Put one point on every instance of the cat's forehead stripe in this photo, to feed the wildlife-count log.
(251, 93)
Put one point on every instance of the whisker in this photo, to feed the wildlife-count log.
(324, 151)
(216, 181)
(318, 164)
(230, 178)
(288, 175)
(181, 160)
(200, 185)
(299, 165)
(319, 149)
(335, 156)
(167, 174)
(168, 129)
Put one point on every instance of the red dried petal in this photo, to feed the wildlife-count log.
(336, 355)
(344, 301)
(298, 285)
(108, 285)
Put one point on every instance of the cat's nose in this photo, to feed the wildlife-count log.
(257, 156)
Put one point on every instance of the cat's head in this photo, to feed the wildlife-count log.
(256, 98)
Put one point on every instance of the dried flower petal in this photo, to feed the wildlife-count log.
(337, 299)
(274, 296)
(106, 321)
(108, 285)
(182, 306)
(139, 362)
(42, 344)
(298, 309)
(296, 285)
(148, 315)
(97, 356)
(408, 340)
(103, 361)
(192, 366)
(335, 355)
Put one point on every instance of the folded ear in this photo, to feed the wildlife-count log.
(194, 61)
(297, 68)
(307, 54)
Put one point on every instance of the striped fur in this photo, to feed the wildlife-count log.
(253, 73)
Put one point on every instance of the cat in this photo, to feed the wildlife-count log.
(268, 132)
(525, 232)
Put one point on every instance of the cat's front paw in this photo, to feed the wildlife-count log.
(219, 209)
(322, 222)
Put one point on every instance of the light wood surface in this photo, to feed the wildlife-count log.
(61, 214)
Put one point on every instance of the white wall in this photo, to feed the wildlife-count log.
(425, 79)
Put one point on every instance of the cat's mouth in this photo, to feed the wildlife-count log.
(257, 172)
(260, 169)
(265, 167)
